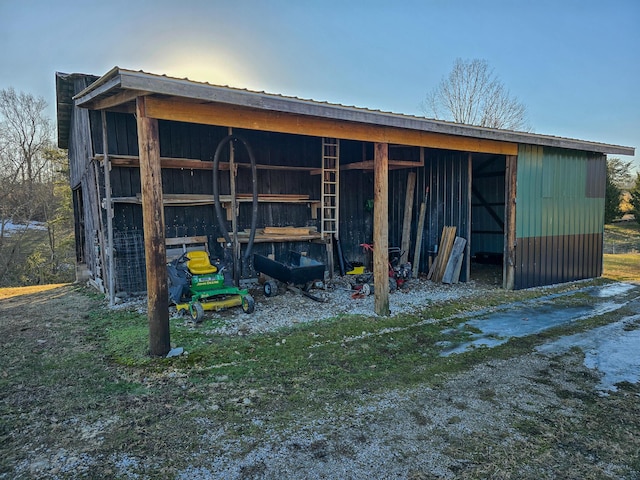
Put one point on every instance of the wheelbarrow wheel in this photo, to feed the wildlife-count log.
(197, 312)
(248, 304)
(270, 288)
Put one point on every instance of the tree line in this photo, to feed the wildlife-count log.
(36, 214)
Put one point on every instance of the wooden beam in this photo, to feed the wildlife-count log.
(419, 234)
(267, 120)
(153, 224)
(381, 228)
(111, 269)
(393, 165)
(509, 260)
(408, 216)
(467, 252)
(195, 164)
(117, 100)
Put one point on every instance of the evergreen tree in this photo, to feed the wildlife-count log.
(612, 198)
(635, 198)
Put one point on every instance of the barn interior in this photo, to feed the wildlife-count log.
(457, 189)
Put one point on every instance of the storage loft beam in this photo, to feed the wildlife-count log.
(256, 119)
(118, 101)
(133, 161)
(393, 165)
(192, 200)
(204, 199)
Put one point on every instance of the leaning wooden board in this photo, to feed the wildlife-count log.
(452, 270)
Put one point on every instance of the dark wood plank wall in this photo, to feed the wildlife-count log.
(445, 173)
(180, 140)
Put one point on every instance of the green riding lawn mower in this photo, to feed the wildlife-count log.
(196, 286)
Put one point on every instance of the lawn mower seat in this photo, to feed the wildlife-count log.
(199, 264)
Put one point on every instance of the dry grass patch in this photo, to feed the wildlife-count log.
(10, 292)
(622, 267)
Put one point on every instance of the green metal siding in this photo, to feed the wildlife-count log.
(552, 193)
(559, 215)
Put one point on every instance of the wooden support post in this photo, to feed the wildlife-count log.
(381, 228)
(109, 208)
(99, 272)
(509, 260)
(419, 233)
(408, 216)
(153, 223)
(467, 251)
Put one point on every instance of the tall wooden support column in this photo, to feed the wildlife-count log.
(381, 228)
(106, 164)
(509, 261)
(153, 222)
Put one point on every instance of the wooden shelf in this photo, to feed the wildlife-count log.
(197, 199)
(261, 237)
(368, 165)
(192, 200)
(132, 161)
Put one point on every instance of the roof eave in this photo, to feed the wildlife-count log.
(117, 80)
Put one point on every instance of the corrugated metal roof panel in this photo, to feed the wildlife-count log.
(117, 80)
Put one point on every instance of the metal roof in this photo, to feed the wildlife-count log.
(120, 87)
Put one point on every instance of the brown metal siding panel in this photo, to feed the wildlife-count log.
(565, 258)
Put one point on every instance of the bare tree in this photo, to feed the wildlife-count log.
(472, 94)
(33, 186)
(26, 133)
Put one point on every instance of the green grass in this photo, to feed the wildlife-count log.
(304, 367)
(96, 368)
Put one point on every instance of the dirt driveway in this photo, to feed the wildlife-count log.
(69, 412)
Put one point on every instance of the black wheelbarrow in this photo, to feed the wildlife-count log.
(299, 274)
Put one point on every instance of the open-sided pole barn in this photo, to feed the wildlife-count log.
(142, 146)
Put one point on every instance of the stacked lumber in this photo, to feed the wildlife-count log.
(438, 268)
(289, 231)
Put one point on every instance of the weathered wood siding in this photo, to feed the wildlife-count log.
(84, 178)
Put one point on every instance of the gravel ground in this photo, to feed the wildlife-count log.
(496, 420)
(409, 434)
(289, 308)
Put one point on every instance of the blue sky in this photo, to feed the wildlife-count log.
(575, 64)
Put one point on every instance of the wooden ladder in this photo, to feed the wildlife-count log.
(330, 187)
